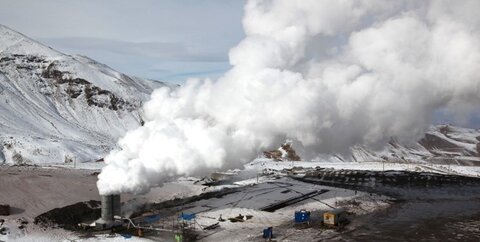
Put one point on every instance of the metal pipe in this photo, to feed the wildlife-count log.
(130, 222)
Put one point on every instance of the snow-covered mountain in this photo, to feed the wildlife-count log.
(442, 144)
(55, 107)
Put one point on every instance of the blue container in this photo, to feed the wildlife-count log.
(268, 233)
(187, 216)
(302, 216)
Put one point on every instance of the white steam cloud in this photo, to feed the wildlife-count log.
(326, 74)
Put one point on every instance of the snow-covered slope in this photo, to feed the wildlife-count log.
(56, 107)
(442, 144)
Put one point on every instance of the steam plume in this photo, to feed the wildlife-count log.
(326, 74)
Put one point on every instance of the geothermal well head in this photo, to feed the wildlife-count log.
(110, 207)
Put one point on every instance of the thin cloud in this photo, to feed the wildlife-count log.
(171, 51)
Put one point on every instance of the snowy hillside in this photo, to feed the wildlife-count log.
(442, 144)
(57, 108)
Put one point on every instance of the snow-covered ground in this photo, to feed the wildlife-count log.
(260, 164)
(268, 164)
(250, 200)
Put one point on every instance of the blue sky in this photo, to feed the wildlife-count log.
(165, 40)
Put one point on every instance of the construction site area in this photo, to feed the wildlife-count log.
(230, 212)
(278, 205)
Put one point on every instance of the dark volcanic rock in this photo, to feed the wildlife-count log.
(4, 209)
(70, 216)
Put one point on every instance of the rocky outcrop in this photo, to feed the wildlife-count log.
(284, 153)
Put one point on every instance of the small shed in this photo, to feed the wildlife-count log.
(302, 216)
(335, 217)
